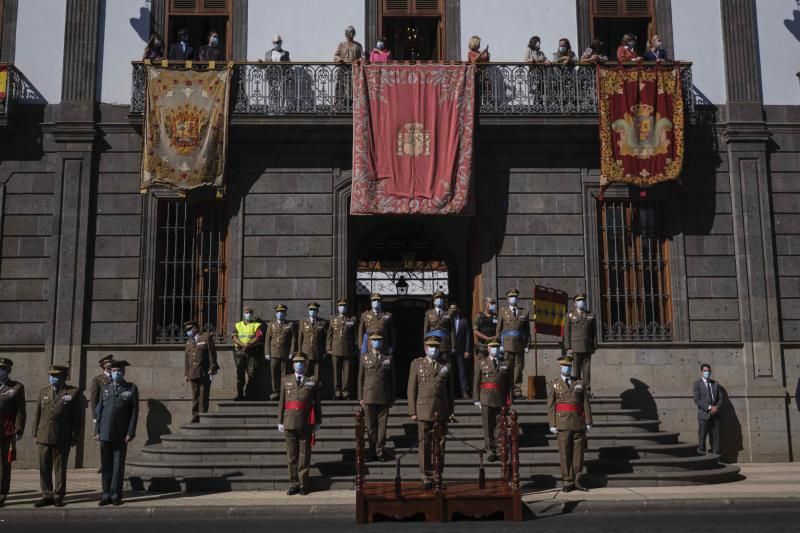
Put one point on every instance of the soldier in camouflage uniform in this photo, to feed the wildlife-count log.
(580, 340)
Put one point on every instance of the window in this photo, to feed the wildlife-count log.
(200, 17)
(611, 19)
(634, 272)
(414, 29)
(190, 275)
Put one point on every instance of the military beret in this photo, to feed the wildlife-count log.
(376, 336)
(375, 296)
(280, 307)
(579, 296)
(57, 370)
(313, 305)
(249, 308)
(299, 357)
(439, 294)
(191, 324)
(432, 341)
(341, 301)
(512, 292)
(493, 341)
(6, 363)
(565, 360)
(119, 364)
(105, 359)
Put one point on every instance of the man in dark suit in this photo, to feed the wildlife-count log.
(181, 50)
(708, 396)
(116, 417)
(462, 348)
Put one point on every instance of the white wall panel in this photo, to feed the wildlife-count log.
(124, 36)
(39, 52)
(697, 31)
(779, 47)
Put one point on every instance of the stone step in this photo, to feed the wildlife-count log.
(721, 474)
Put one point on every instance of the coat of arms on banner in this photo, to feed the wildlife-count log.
(186, 128)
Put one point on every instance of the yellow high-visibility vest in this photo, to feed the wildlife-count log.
(247, 332)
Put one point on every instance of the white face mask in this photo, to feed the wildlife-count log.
(376, 305)
(581, 304)
(248, 316)
(492, 308)
(493, 352)
(431, 351)
(512, 301)
(342, 309)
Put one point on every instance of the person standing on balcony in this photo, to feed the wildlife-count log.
(380, 54)
(594, 54)
(211, 51)
(154, 51)
(533, 53)
(655, 50)
(564, 54)
(348, 50)
(182, 50)
(277, 54)
(627, 49)
(580, 340)
(475, 55)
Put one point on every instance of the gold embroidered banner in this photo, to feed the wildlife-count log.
(186, 128)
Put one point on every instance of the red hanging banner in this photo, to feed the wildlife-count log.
(641, 124)
(412, 139)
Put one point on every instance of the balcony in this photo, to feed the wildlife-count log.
(321, 91)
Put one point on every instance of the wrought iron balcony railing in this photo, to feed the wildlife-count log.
(16, 89)
(324, 89)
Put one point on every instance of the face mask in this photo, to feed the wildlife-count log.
(706, 374)
(184, 38)
(312, 313)
(381, 45)
(248, 316)
(430, 351)
(581, 304)
(562, 49)
(438, 302)
(376, 305)
(631, 44)
(537, 46)
(280, 315)
(493, 308)
(342, 309)
(214, 41)
(565, 370)
(54, 380)
(277, 45)
(117, 375)
(190, 332)
(3, 374)
(376, 345)
(157, 43)
(512, 300)
(299, 368)
(493, 352)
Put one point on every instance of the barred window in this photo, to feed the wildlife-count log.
(634, 272)
(190, 277)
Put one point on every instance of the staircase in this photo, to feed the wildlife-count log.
(239, 448)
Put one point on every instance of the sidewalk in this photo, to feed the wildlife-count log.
(764, 483)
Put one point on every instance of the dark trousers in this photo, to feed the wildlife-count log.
(246, 366)
(53, 462)
(425, 444)
(458, 364)
(570, 448)
(489, 421)
(342, 366)
(201, 390)
(298, 454)
(112, 464)
(5, 466)
(708, 428)
(582, 368)
(277, 369)
(516, 362)
(377, 416)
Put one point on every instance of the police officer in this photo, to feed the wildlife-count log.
(313, 337)
(98, 382)
(248, 342)
(201, 365)
(299, 417)
(490, 392)
(57, 427)
(12, 422)
(341, 346)
(513, 329)
(117, 414)
(430, 399)
(570, 417)
(377, 320)
(376, 394)
(280, 344)
(580, 340)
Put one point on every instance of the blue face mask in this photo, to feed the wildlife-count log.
(512, 300)
(342, 309)
(55, 380)
(190, 333)
(438, 302)
(312, 313)
(299, 368)
(431, 351)
(117, 375)
(381, 45)
(493, 308)
(376, 305)
(581, 304)
(280, 315)
(706, 374)
(565, 370)
(376, 345)
(3, 374)
(214, 41)
(248, 316)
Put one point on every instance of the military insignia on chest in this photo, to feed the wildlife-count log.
(127, 394)
(310, 384)
(66, 398)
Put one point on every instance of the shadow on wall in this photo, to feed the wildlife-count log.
(793, 24)
(141, 25)
(158, 421)
(639, 397)
(730, 431)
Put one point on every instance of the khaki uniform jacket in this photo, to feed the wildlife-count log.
(559, 392)
(201, 357)
(382, 323)
(12, 405)
(308, 393)
(59, 416)
(341, 340)
(430, 390)
(497, 374)
(376, 379)
(313, 338)
(95, 387)
(506, 321)
(579, 334)
(280, 342)
(443, 322)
